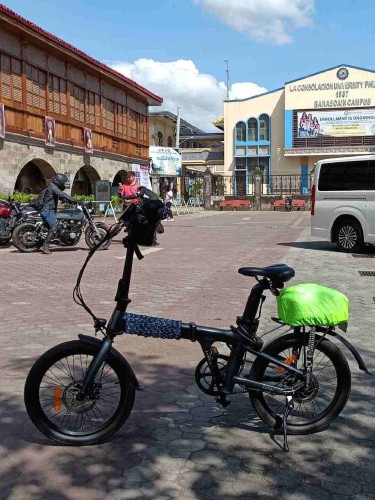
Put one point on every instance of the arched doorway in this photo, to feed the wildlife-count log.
(34, 176)
(83, 183)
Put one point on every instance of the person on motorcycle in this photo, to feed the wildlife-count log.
(47, 204)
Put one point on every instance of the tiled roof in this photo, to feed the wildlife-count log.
(8, 12)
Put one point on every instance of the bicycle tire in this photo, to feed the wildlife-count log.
(34, 394)
(272, 415)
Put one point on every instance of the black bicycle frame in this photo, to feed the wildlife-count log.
(206, 336)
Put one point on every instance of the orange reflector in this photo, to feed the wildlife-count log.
(57, 398)
(288, 361)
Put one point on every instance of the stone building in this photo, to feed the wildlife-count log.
(61, 110)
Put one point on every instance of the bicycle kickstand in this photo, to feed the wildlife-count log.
(288, 407)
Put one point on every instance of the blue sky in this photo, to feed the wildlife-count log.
(177, 48)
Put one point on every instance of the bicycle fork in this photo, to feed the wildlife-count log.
(94, 367)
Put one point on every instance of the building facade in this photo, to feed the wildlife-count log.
(63, 111)
(198, 151)
(286, 131)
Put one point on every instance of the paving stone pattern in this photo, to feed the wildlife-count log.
(178, 443)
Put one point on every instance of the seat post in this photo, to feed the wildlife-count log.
(254, 300)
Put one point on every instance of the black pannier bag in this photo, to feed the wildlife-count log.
(148, 216)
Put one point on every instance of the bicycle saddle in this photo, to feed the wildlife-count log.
(276, 272)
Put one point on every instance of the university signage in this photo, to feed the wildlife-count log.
(360, 122)
(337, 88)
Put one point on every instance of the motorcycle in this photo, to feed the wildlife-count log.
(71, 224)
(11, 215)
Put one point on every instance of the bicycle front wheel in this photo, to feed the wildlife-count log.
(314, 406)
(51, 395)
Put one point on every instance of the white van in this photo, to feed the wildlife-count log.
(343, 202)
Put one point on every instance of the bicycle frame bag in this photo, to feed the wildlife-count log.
(310, 304)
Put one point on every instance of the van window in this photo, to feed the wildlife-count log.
(371, 175)
(343, 176)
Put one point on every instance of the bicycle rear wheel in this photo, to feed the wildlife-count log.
(315, 406)
(51, 395)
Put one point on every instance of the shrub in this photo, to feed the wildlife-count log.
(84, 198)
(19, 197)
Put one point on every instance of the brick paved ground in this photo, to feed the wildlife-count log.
(178, 442)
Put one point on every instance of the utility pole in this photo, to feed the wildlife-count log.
(227, 80)
(178, 128)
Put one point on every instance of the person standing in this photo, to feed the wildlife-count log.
(129, 190)
(168, 199)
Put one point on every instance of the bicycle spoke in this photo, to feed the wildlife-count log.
(95, 410)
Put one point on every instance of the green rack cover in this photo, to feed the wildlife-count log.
(312, 304)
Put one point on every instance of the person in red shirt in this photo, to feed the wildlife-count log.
(129, 190)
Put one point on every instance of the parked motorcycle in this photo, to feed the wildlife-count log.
(71, 224)
(11, 215)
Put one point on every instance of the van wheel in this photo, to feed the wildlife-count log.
(349, 237)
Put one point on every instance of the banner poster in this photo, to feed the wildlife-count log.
(144, 177)
(165, 161)
(50, 131)
(141, 175)
(2, 121)
(87, 135)
(341, 123)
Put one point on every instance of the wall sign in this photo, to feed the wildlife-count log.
(353, 122)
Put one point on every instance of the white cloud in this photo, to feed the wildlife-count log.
(265, 21)
(200, 96)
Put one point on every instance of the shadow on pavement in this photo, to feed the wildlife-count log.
(311, 245)
(179, 443)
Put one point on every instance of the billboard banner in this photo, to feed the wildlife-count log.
(87, 136)
(341, 123)
(165, 161)
(141, 175)
(50, 131)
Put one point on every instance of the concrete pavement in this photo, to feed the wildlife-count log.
(179, 442)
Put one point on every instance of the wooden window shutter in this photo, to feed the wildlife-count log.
(17, 79)
(35, 87)
(6, 85)
(77, 102)
(57, 95)
(109, 114)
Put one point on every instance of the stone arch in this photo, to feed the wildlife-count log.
(83, 181)
(119, 178)
(34, 175)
